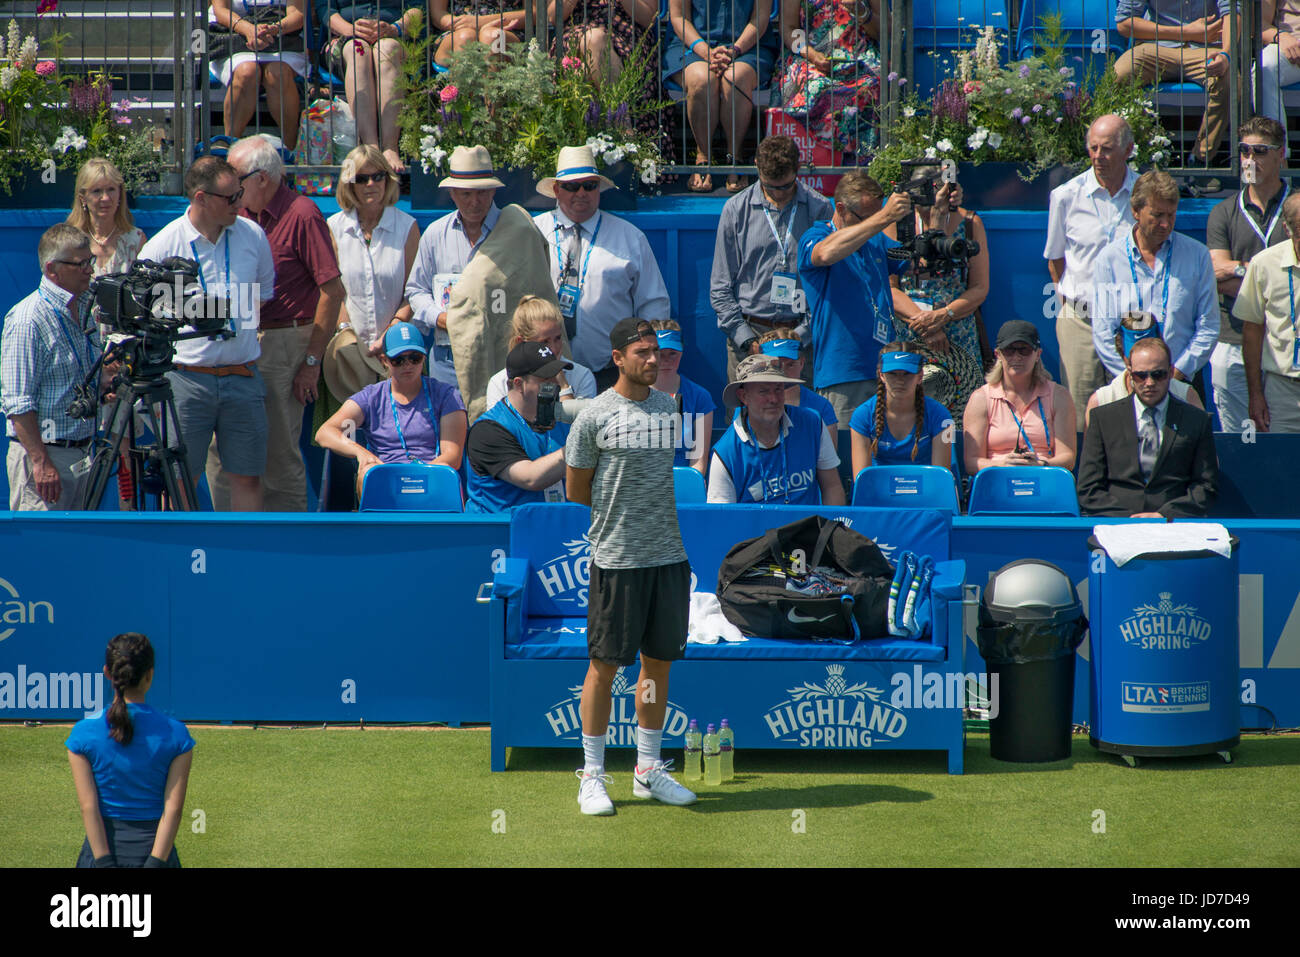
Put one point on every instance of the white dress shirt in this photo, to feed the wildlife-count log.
(374, 273)
(1082, 217)
(444, 248)
(1159, 413)
(621, 279)
(249, 282)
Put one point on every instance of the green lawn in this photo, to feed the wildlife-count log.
(420, 797)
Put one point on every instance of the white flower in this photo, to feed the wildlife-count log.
(15, 38)
(613, 156)
(945, 145)
(431, 154)
(930, 153)
(909, 111)
(976, 139)
(27, 55)
(8, 77)
(629, 148)
(69, 139)
(1157, 157)
(995, 140)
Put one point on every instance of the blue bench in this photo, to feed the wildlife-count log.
(879, 693)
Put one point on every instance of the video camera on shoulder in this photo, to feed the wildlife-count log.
(932, 252)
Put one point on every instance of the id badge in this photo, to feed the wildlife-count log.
(81, 467)
(1295, 356)
(784, 285)
(884, 330)
(555, 493)
(568, 297)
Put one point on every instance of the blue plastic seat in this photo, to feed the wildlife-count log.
(688, 486)
(411, 487)
(906, 486)
(1023, 490)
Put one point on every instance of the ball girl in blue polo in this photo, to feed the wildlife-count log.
(131, 765)
(693, 401)
(900, 425)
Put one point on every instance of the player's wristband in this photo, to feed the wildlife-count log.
(398, 27)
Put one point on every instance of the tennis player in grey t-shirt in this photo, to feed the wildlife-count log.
(619, 460)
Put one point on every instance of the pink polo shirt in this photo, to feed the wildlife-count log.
(1003, 432)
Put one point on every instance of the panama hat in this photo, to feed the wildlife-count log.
(575, 162)
(753, 370)
(471, 168)
(348, 366)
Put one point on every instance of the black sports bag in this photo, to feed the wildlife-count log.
(814, 578)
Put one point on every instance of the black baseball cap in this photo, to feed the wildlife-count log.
(629, 331)
(534, 358)
(1018, 330)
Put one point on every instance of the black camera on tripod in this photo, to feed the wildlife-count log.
(933, 251)
(158, 299)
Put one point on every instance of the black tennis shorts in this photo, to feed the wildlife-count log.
(632, 610)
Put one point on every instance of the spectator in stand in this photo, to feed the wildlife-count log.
(536, 320)
(844, 264)
(1150, 456)
(1020, 417)
(296, 324)
(131, 766)
(448, 245)
(900, 425)
(376, 245)
(1279, 60)
(772, 453)
(364, 45)
(694, 404)
(1239, 228)
(1155, 270)
(718, 53)
(468, 21)
(216, 383)
(605, 34)
(1177, 39)
(1132, 330)
(99, 210)
(784, 346)
(602, 266)
(754, 287)
(1268, 306)
(941, 303)
(513, 462)
(259, 43)
(408, 417)
(831, 85)
(1084, 215)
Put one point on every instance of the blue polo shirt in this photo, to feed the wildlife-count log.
(694, 401)
(892, 451)
(808, 399)
(783, 475)
(131, 780)
(491, 453)
(850, 304)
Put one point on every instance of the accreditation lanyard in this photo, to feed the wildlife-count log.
(437, 440)
(1047, 429)
(762, 459)
(72, 342)
(1295, 334)
(1132, 268)
(586, 260)
(1263, 236)
(788, 243)
(204, 283)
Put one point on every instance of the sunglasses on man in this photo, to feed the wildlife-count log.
(1155, 375)
(411, 358)
(586, 185)
(1255, 149)
(232, 199)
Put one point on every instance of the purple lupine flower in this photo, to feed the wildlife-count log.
(1038, 107)
(85, 96)
(621, 114)
(1024, 121)
(893, 77)
(1007, 91)
(1024, 71)
(593, 113)
(1065, 71)
(950, 102)
(1017, 113)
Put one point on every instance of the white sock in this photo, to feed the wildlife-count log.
(647, 747)
(593, 753)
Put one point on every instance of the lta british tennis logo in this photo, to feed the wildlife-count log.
(835, 714)
(1165, 626)
(566, 722)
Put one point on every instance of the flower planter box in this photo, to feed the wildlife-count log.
(521, 188)
(28, 191)
(1000, 186)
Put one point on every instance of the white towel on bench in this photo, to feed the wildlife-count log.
(708, 624)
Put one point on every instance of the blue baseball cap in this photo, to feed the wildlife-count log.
(781, 348)
(900, 362)
(670, 339)
(402, 337)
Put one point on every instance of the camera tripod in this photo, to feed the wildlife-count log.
(156, 465)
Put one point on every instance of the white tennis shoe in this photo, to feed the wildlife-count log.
(657, 783)
(592, 797)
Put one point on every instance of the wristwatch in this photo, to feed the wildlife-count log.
(311, 361)
(1240, 270)
(952, 316)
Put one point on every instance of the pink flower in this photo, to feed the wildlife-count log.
(449, 93)
(46, 6)
(358, 48)
(46, 68)
(971, 87)
(571, 63)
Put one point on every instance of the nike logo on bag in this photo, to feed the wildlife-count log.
(799, 619)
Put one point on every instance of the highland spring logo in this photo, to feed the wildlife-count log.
(566, 723)
(1165, 626)
(566, 577)
(834, 715)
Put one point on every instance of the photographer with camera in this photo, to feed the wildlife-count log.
(514, 456)
(842, 263)
(45, 355)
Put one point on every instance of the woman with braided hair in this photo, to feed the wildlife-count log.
(900, 425)
(131, 766)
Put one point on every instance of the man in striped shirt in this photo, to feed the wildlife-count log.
(45, 351)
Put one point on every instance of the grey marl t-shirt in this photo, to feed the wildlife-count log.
(633, 510)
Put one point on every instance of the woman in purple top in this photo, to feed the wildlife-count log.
(408, 417)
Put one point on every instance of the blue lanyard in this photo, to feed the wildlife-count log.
(1047, 429)
(1132, 268)
(762, 458)
(1290, 286)
(582, 277)
(789, 234)
(72, 343)
(203, 282)
(437, 439)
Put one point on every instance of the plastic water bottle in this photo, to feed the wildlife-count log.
(693, 748)
(727, 745)
(712, 757)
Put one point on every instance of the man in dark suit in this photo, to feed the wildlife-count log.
(1148, 456)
